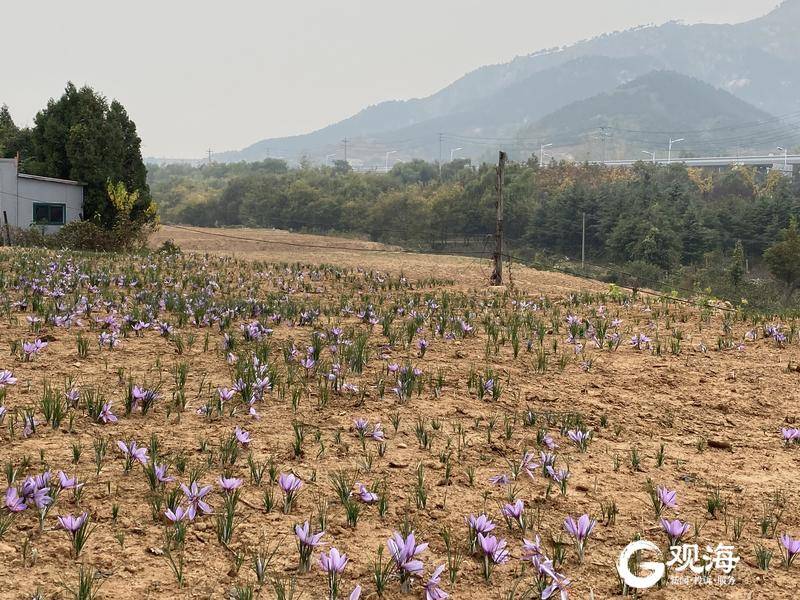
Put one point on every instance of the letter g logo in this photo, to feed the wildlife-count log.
(656, 569)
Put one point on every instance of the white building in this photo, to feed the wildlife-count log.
(32, 200)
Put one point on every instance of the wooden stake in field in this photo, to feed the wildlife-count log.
(497, 274)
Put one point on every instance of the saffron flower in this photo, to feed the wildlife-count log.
(365, 495)
(790, 435)
(177, 515)
(242, 436)
(306, 542)
(106, 416)
(432, 589)
(161, 474)
(355, 594)
(194, 495)
(515, 513)
(502, 479)
(791, 548)
(377, 433)
(290, 484)
(480, 524)
(78, 530)
(667, 498)
(229, 484)
(495, 552)
(559, 585)
(132, 452)
(580, 438)
(68, 483)
(7, 378)
(675, 530)
(31, 348)
(580, 531)
(404, 552)
(333, 563)
(14, 503)
(72, 524)
(361, 425)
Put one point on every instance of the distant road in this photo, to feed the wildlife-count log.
(713, 161)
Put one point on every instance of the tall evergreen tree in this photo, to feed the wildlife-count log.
(81, 137)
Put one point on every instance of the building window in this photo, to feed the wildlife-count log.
(49, 214)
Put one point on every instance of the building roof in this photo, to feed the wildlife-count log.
(50, 179)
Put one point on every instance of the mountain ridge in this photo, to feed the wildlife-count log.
(735, 58)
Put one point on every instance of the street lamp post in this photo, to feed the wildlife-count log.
(671, 141)
(785, 156)
(453, 151)
(651, 155)
(541, 153)
(387, 158)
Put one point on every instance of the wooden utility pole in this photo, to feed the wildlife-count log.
(497, 274)
(583, 242)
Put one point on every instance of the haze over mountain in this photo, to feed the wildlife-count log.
(637, 115)
(756, 62)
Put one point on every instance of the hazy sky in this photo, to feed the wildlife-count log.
(223, 75)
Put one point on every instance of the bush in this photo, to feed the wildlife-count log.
(28, 238)
(82, 235)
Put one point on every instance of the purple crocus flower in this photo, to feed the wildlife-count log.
(242, 436)
(194, 495)
(161, 474)
(73, 524)
(355, 594)
(502, 479)
(580, 438)
(791, 548)
(14, 503)
(495, 552)
(404, 552)
(106, 416)
(580, 531)
(7, 378)
(365, 495)
(290, 484)
(229, 484)
(68, 483)
(790, 435)
(225, 394)
(377, 433)
(667, 498)
(31, 348)
(432, 589)
(529, 464)
(132, 451)
(306, 542)
(361, 425)
(176, 516)
(675, 530)
(515, 512)
(559, 585)
(494, 548)
(333, 563)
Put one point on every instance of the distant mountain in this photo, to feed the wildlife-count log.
(757, 61)
(642, 114)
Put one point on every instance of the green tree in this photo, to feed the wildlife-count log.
(81, 137)
(783, 258)
(736, 269)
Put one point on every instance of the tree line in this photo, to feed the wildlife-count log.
(660, 216)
